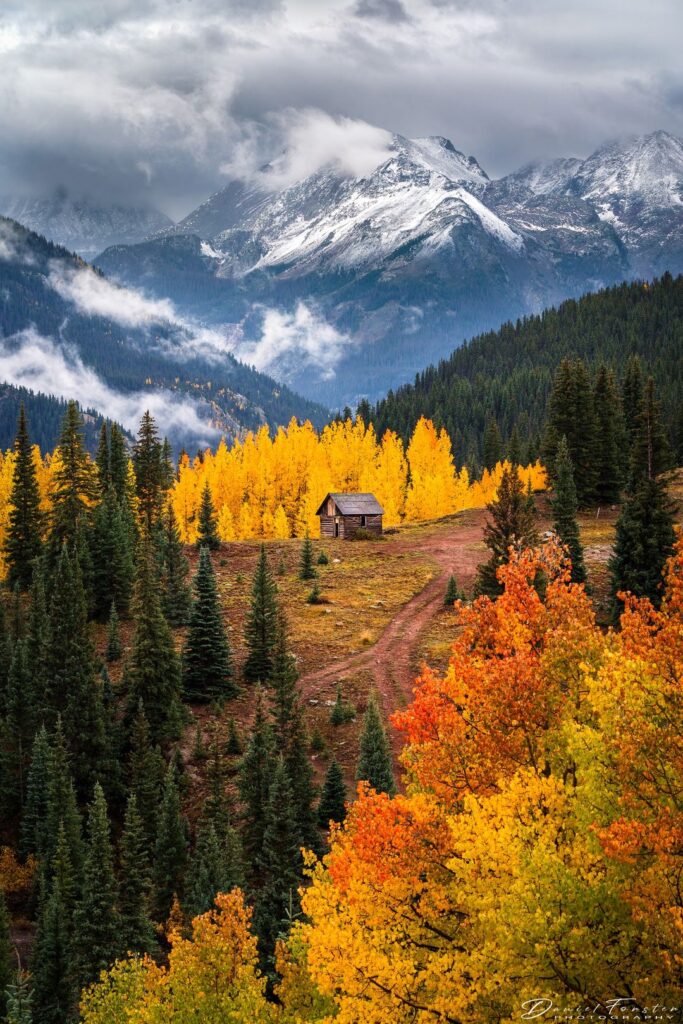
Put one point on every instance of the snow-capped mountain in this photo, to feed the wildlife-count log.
(81, 225)
(408, 260)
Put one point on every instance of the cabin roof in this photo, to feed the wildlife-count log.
(360, 504)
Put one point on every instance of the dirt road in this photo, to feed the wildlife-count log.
(390, 664)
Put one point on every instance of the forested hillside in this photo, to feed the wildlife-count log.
(46, 414)
(504, 378)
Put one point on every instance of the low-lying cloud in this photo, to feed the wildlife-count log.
(33, 361)
(291, 341)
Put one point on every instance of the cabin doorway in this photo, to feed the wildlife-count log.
(336, 527)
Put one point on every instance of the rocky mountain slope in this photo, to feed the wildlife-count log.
(405, 262)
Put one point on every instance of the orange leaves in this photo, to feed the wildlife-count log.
(508, 679)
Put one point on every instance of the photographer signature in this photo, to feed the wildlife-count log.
(621, 1009)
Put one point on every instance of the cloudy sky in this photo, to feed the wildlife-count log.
(161, 101)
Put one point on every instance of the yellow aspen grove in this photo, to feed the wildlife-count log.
(269, 486)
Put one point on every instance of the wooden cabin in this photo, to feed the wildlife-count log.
(342, 515)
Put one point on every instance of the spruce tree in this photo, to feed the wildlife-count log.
(111, 555)
(8, 962)
(37, 636)
(216, 866)
(73, 480)
(279, 864)
(113, 650)
(632, 396)
(150, 472)
(233, 746)
(18, 729)
(97, 923)
(146, 770)
(52, 965)
(176, 600)
(332, 806)
(137, 931)
(118, 463)
(73, 689)
(62, 808)
(170, 850)
(493, 445)
(514, 448)
(103, 460)
(255, 773)
(154, 676)
(375, 763)
(207, 522)
(452, 593)
(564, 507)
(20, 1001)
(34, 817)
(207, 665)
(610, 440)
(261, 624)
(306, 566)
(511, 525)
(571, 414)
(23, 540)
(645, 529)
(5, 656)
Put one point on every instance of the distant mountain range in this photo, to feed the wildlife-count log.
(81, 225)
(345, 287)
(67, 331)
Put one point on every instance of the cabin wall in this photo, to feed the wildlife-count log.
(373, 524)
(327, 527)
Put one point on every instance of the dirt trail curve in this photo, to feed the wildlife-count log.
(391, 661)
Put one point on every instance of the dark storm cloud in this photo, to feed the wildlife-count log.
(159, 100)
(389, 10)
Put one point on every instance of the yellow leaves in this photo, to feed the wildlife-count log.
(15, 879)
(211, 977)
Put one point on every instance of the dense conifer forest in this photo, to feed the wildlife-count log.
(499, 383)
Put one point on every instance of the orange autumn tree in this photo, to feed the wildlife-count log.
(537, 849)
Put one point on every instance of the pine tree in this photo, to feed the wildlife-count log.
(650, 454)
(23, 541)
(146, 771)
(19, 1001)
(452, 593)
(111, 554)
(374, 763)
(52, 967)
(493, 445)
(279, 862)
(564, 507)
(35, 813)
(37, 637)
(154, 672)
(255, 773)
(234, 745)
(306, 566)
(7, 955)
(207, 522)
(571, 414)
(176, 600)
(5, 656)
(97, 923)
(150, 472)
(62, 808)
(261, 624)
(114, 650)
(18, 729)
(72, 687)
(511, 526)
(632, 396)
(170, 850)
(514, 448)
(215, 867)
(332, 806)
(645, 529)
(103, 460)
(207, 666)
(610, 440)
(74, 481)
(118, 463)
(137, 931)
